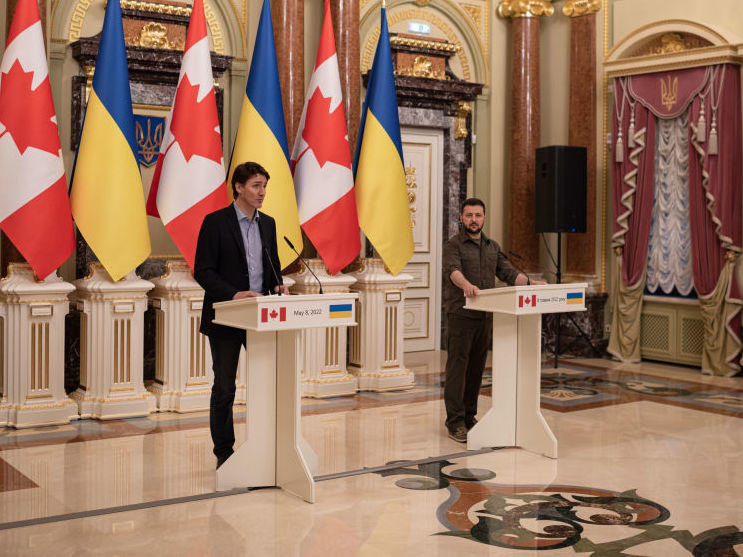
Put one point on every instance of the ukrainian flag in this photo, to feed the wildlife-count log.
(107, 198)
(381, 192)
(261, 138)
(574, 298)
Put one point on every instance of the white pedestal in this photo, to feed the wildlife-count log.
(32, 335)
(324, 352)
(376, 345)
(275, 453)
(183, 360)
(111, 345)
(515, 418)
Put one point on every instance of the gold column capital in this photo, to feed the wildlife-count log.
(577, 8)
(525, 8)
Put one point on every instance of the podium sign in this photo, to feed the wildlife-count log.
(274, 452)
(515, 418)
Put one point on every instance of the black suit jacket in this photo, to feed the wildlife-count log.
(220, 267)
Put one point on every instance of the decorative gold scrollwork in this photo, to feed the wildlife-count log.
(411, 182)
(460, 120)
(154, 35)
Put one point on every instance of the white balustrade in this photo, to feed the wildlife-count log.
(32, 327)
(111, 345)
(376, 345)
(183, 360)
(323, 352)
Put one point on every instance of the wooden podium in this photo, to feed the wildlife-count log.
(515, 418)
(275, 453)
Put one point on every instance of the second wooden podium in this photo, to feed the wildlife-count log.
(275, 453)
(515, 418)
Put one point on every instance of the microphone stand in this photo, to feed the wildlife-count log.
(303, 261)
(273, 270)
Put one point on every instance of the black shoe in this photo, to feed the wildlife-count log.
(459, 434)
(469, 424)
(222, 459)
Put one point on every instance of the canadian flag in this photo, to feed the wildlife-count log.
(34, 205)
(273, 315)
(321, 162)
(527, 300)
(189, 180)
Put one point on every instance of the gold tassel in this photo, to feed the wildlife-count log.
(701, 127)
(631, 134)
(712, 148)
(619, 149)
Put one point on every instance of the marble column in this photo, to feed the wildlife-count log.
(346, 27)
(580, 260)
(525, 124)
(288, 25)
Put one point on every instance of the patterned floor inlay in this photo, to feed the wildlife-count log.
(11, 479)
(574, 387)
(553, 517)
(570, 387)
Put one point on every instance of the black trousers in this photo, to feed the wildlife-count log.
(467, 343)
(225, 355)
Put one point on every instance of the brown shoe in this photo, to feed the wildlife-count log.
(459, 434)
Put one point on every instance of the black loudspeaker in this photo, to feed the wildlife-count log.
(560, 189)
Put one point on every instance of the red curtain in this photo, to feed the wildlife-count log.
(720, 200)
(633, 181)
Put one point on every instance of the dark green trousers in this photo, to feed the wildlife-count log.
(467, 343)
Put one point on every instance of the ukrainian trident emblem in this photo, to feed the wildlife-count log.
(669, 91)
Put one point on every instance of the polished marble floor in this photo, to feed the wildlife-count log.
(649, 464)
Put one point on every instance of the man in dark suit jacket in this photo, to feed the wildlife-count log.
(236, 257)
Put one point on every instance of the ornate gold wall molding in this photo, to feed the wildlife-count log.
(215, 28)
(525, 8)
(577, 8)
(78, 16)
(670, 43)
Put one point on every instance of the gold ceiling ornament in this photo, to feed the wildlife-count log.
(577, 8)
(525, 8)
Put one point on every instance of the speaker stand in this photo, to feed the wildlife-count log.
(558, 280)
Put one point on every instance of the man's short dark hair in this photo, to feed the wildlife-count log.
(244, 172)
(471, 202)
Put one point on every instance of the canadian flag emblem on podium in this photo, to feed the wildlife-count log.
(272, 315)
(526, 300)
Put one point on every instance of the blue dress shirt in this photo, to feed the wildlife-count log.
(253, 248)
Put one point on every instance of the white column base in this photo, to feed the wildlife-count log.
(181, 402)
(32, 383)
(183, 362)
(111, 407)
(111, 346)
(376, 345)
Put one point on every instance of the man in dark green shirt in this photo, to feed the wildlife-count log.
(471, 263)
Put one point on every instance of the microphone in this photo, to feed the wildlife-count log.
(273, 269)
(303, 261)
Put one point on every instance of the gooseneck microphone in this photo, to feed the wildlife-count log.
(273, 269)
(303, 261)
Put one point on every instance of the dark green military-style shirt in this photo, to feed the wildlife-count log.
(480, 261)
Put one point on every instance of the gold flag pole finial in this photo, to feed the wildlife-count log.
(384, 3)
